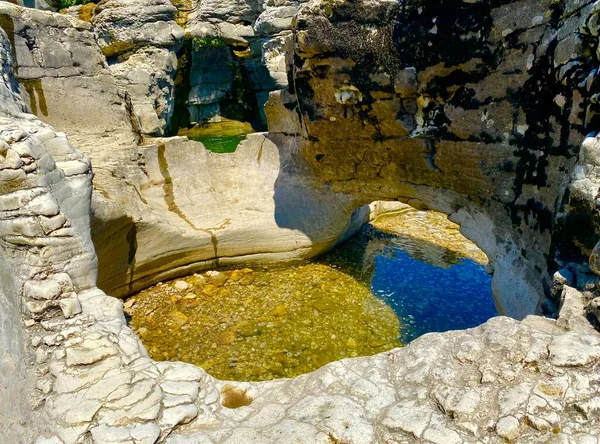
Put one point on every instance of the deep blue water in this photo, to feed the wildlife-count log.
(428, 298)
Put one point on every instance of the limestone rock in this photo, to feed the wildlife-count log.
(148, 76)
(216, 278)
(123, 25)
(275, 20)
(506, 379)
(233, 11)
(420, 133)
(70, 306)
(508, 427)
(181, 285)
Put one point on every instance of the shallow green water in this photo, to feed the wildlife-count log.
(219, 144)
(219, 137)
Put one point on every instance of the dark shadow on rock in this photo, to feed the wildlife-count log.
(109, 236)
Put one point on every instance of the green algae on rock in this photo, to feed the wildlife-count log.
(263, 324)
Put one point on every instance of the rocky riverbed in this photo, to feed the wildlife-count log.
(281, 322)
(259, 325)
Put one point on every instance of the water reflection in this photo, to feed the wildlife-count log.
(428, 298)
(420, 265)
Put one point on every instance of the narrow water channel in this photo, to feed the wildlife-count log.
(404, 275)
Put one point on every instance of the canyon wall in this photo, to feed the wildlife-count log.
(46, 248)
(13, 373)
(477, 110)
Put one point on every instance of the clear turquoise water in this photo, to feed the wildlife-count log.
(431, 289)
(428, 298)
(375, 292)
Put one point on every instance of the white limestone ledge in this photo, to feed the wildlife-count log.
(530, 381)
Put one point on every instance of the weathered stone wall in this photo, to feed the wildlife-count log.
(13, 371)
(477, 110)
(14, 382)
(237, 57)
(38, 242)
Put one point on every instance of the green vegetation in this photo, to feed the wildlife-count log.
(209, 42)
(68, 3)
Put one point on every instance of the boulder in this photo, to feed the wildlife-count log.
(149, 77)
(124, 25)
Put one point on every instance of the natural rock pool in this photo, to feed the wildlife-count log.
(219, 137)
(404, 275)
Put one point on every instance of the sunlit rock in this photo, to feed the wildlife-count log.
(487, 129)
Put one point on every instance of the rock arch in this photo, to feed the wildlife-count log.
(476, 110)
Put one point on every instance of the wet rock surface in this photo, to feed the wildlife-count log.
(418, 228)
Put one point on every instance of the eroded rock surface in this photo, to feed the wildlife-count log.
(476, 110)
(149, 220)
(386, 102)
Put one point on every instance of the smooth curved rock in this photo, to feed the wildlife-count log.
(424, 137)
